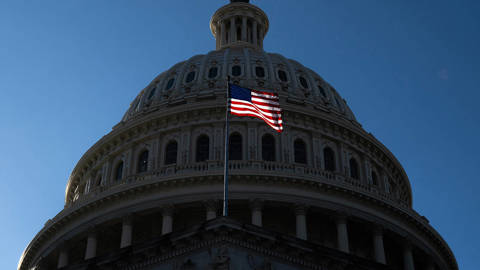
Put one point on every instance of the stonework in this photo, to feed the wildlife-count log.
(324, 194)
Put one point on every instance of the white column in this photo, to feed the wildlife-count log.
(167, 219)
(408, 257)
(126, 239)
(244, 28)
(233, 30)
(211, 207)
(256, 206)
(91, 250)
(223, 33)
(63, 257)
(342, 234)
(378, 247)
(254, 33)
(301, 221)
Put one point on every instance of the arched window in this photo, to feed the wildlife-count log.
(300, 151)
(303, 82)
(171, 153)
(268, 147)
(235, 147)
(212, 73)
(119, 171)
(203, 148)
(142, 165)
(354, 168)
(169, 84)
(152, 93)
(260, 72)
(282, 75)
(236, 71)
(190, 77)
(329, 159)
(374, 178)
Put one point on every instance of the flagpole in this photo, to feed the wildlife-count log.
(225, 176)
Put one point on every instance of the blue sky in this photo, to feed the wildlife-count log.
(408, 69)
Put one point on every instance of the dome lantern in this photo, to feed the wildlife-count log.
(239, 24)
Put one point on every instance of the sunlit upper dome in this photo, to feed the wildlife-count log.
(239, 29)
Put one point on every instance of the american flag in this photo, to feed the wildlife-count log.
(260, 104)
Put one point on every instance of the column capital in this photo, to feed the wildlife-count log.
(167, 209)
(341, 217)
(301, 209)
(256, 204)
(211, 205)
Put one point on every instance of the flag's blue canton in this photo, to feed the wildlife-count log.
(237, 92)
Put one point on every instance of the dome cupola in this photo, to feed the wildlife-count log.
(239, 24)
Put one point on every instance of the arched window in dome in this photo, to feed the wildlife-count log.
(170, 84)
(354, 168)
(212, 73)
(119, 171)
(374, 178)
(190, 77)
(300, 151)
(282, 75)
(303, 82)
(329, 159)
(152, 93)
(142, 165)
(235, 147)
(236, 70)
(171, 153)
(268, 147)
(203, 148)
(260, 72)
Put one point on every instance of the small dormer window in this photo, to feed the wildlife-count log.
(260, 72)
(170, 84)
(190, 77)
(236, 71)
(212, 73)
(303, 82)
(282, 75)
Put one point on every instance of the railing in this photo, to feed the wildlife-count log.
(242, 167)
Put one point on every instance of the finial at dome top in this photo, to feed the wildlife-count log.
(239, 25)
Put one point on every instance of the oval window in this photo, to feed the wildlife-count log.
(152, 93)
(190, 77)
(170, 83)
(322, 91)
(303, 82)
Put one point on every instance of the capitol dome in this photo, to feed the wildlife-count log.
(324, 194)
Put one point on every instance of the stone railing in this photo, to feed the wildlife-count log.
(242, 167)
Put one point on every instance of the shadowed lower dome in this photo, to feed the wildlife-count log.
(323, 194)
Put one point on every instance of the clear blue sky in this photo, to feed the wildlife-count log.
(408, 69)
